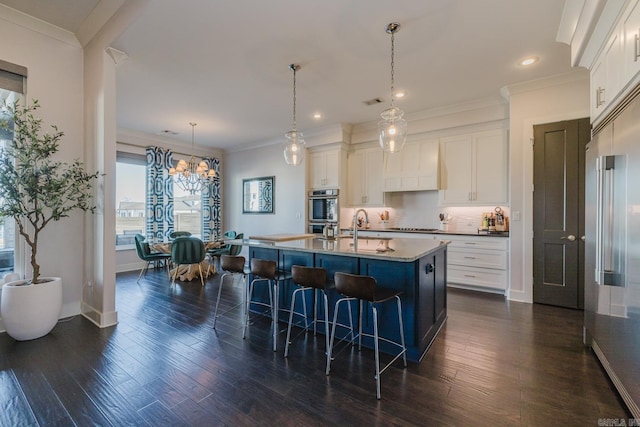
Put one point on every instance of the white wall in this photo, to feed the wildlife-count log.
(550, 100)
(55, 78)
(290, 192)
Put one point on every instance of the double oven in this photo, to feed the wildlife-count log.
(323, 210)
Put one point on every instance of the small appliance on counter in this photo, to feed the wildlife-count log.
(495, 221)
(444, 222)
(329, 232)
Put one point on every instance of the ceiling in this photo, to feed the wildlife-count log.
(224, 65)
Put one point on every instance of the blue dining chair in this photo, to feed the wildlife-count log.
(177, 234)
(226, 249)
(187, 250)
(145, 254)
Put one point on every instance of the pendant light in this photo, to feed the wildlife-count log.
(392, 128)
(294, 146)
(191, 176)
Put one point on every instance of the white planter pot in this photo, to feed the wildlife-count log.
(31, 311)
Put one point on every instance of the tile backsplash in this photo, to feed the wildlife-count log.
(420, 210)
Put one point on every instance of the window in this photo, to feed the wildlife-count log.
(187, 211)
(130, 197)
(12, 84)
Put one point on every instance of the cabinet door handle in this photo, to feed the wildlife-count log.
(637, 46)
(599, 96)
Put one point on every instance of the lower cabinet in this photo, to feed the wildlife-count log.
(478, 262)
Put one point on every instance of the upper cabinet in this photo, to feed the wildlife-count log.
(606, 74)
(631, 45)
(474, 169)
(326, 168)
(364, 177)
(415, 167)
(612, 53)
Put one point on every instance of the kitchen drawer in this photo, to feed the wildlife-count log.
(480, 258)
(495, 279)
(471, 242)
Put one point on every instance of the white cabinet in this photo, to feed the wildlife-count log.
(631, 34)
(415, 167)
(364, 177)
(606, 74)
(326, 168)
(474, 169)
(478, 262)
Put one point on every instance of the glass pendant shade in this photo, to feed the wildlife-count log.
(294, 148)
(392, 130)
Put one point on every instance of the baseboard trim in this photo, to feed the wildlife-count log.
(101, 320)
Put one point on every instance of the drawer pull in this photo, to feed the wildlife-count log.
(470, 257)
(469, 275)
(470, 243)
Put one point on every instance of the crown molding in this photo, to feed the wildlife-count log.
(34, 24)
(545, 82)
(142, 139)
(314, 137)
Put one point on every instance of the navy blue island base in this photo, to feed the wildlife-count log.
(415, 266)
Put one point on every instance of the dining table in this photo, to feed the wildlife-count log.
(188, 272)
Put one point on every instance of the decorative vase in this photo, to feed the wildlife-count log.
(31, 311)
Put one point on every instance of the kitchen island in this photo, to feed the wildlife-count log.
(415, 266)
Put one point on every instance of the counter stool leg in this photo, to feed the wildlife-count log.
(246, 313)
(304, 310)
(293, 302)
(215, 313)
(353, 337)
(326, 321)
(360, 325)
(275, 315)
(404, 348)
(376, 349)
(333, 335)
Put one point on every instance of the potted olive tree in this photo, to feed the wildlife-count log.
(36, 190)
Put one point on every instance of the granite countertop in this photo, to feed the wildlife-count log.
(431, 232)
(391, 249)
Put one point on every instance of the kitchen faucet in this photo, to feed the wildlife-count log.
(355, 226)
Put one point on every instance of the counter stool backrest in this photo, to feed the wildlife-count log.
(310, 277)
(361, 287)
(263, 268)
(232, 264)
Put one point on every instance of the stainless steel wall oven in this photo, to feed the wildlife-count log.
(323, 209)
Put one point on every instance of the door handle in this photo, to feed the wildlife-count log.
(583, 238)
(570, 238)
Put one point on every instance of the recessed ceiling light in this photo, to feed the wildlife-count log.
(529, 60)
(317, 116)
(400, 94)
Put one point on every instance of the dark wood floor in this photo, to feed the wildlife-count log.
(494, 363)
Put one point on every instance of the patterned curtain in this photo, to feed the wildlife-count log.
(159, 191)
(211, 211)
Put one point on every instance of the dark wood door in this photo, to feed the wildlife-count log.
(558, 212)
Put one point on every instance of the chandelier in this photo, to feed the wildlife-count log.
(392, 128)
(294, 146)
(191, 176)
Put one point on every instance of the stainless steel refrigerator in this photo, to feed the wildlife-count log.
(612, 250)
